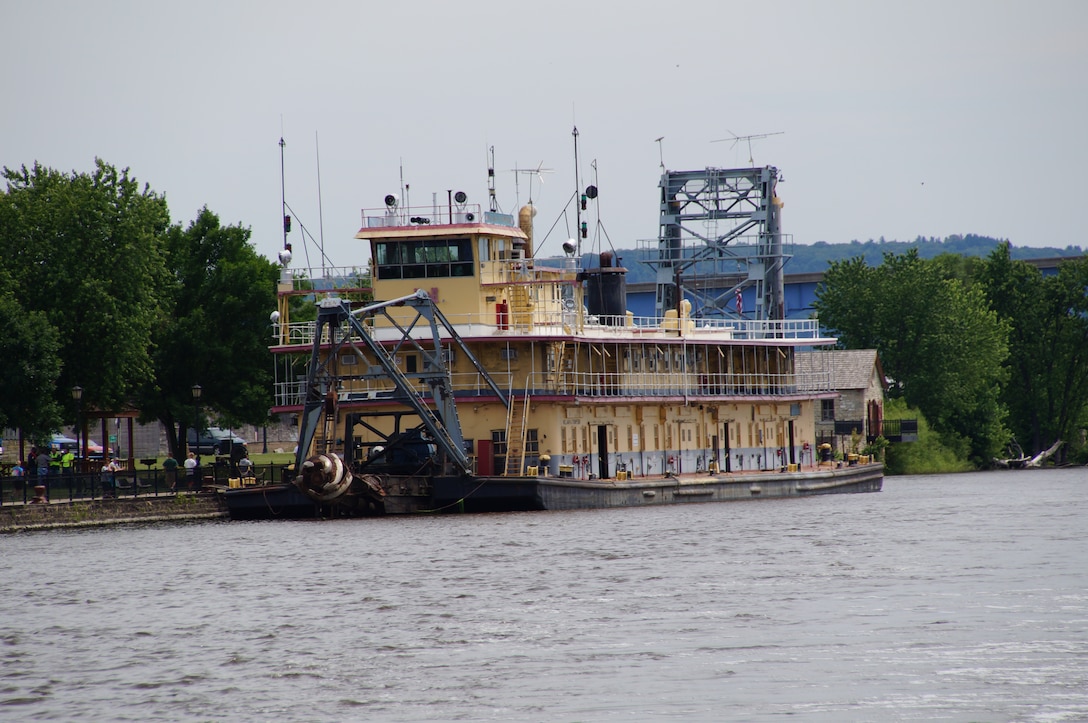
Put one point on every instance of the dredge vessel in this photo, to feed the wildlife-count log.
(460, 372)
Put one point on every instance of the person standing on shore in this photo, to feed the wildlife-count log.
(109, 478)
(190, 470)
(67, 468)
(170, 468)
(42, 463)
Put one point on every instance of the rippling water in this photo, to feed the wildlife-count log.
(942, 598)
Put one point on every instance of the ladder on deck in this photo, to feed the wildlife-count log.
(516, 421)
(326, 431)
(521, 308)
(564, 367)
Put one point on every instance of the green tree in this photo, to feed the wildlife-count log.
(221, 295)
(84, 251)
(29, 346)
(1047, 391)
(938, 341)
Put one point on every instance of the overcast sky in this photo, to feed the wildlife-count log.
(895, 119)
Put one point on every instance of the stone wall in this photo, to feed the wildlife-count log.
(89, 513)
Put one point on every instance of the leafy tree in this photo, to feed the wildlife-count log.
(29, 345)
(938, 341)
(84, 256)
(1047, 392)
(221, 295)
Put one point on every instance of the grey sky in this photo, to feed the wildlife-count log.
(898, 119)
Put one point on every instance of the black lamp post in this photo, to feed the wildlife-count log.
(197, 392)
(77, 395)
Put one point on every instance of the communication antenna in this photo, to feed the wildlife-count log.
(660, 152)
(737, 139)
(577, 185)
(283, 197)
(320, 211)
(491, 179)
(539, 172)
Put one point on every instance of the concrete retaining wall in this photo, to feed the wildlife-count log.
(90, 513)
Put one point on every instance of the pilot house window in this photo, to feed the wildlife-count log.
(427, 258)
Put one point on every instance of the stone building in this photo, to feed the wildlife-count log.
(857, 376)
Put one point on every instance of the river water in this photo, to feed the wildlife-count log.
(946, 597)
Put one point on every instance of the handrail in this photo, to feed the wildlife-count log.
(563, 324)
(588, 385)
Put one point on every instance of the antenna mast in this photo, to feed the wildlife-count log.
(320, 211)
(283, 200)
(491, 179)
(577, 206)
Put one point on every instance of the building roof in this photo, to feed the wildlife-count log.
(848, 368)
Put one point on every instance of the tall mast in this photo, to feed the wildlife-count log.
(577, 206)
(320, 212)
(283, 200)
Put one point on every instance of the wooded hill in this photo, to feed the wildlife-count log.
(815, 258)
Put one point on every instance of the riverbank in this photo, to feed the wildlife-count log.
(93, 513)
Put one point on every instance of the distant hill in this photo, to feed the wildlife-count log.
(815, 257)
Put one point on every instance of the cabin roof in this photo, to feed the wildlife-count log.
(400, 233)
(849, 368)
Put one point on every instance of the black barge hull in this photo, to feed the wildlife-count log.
(511, 494)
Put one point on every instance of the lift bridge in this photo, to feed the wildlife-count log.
(719, 233)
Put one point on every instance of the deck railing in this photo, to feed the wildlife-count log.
(544, 324)
(584, 384)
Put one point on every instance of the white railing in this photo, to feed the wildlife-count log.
(320, 279)
(585, 384)
(544, 323)
(397, 216)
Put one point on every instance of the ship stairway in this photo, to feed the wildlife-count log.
(521, 308)
(325, 434)
(567, 375)
(516, 421)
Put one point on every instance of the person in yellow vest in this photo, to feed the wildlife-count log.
(67, 468)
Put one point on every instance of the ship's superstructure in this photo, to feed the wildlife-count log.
(474, 359)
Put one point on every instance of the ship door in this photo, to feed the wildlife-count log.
(793, 453)
(602, 452)
(485, 458)
(728, 458)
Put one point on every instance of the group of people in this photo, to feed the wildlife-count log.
(192, 469)
(42, 463)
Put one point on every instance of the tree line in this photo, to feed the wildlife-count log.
(100, 290)
(992, 353)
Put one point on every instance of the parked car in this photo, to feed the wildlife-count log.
(212, 440)
(60, 443)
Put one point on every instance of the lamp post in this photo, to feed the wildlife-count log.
(197, 392)
(81, 454)
(77, 396)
